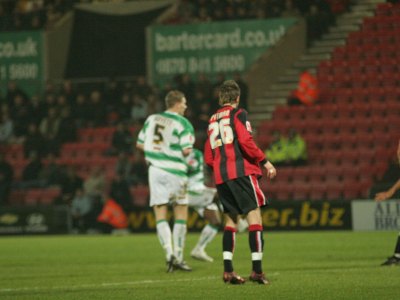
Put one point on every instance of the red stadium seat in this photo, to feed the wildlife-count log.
(334, 190)
(318, 191)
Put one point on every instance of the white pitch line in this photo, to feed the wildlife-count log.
(105, 284)
(111, 284)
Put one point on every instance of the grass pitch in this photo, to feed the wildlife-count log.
(300, 265)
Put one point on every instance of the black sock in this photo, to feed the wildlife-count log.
(397, 248)
(228, 246)
(256, 243)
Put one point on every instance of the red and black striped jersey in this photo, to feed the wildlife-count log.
(230, 149)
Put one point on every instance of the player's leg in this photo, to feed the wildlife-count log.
(256, 243)
(159, 199)
(227, 199)
(395, 259)
(228, 248)
(179, 235)
(164, 233)
(211, 214)
(204, 204)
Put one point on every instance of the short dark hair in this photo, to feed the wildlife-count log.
(228, 92)
(173, 97)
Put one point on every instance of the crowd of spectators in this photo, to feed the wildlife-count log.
(319, 14)
(16, 15)
(42, 123)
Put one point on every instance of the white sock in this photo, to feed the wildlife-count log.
(207, 235)
(179, 236)
(164, 236)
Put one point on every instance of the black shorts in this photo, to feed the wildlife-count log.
(241, 195)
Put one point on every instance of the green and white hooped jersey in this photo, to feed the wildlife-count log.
(164, 136)
(196, 172)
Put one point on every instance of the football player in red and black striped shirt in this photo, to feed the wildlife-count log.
(237, 163)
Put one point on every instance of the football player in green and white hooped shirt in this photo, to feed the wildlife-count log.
(166, 139)
(201, 198)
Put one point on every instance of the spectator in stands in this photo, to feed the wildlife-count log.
(32, 173)
(139, 110)
(124, 109)
(307, 91)
(276, 151)
(20, 114)
(112, 94)
(6, 178)
(154, 104)
(244, 90)
(141, 87)
(94, 186)
(274, 8)
(69, 183)
(37, 110)
(67, 128)
(52, 172)
(203, 15)
(5, 18)
(34, 141)
(53, 14)
(81, 110)
(139, 169)
(290, 10)
(50, 101)
(122, 139)
(120, 192)
(68, 92)
(62, 104)
(123, 166)
(203, 86)
(339, 6)
(112, 217)
(202, 118)
(13, 91)
(81, 207)
(6, 128)
(186, 85)
(48, 89)
(186, 11)
(97, 111)
(296, 149)
(49, 128)
(318, 17)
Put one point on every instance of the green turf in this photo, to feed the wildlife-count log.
(310, 265)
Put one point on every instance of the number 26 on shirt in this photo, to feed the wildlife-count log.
(220, 133)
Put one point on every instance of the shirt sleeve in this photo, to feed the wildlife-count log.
(142, 133)
(246, 142)
(187, 136)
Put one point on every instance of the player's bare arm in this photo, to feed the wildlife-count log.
(140, 147)
(389, 193)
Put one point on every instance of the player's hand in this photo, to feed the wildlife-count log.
(382, 196)
(271, 171)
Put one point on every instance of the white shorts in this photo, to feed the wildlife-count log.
(166, 188)
(203, 199)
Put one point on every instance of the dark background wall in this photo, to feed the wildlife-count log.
(108, 45)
